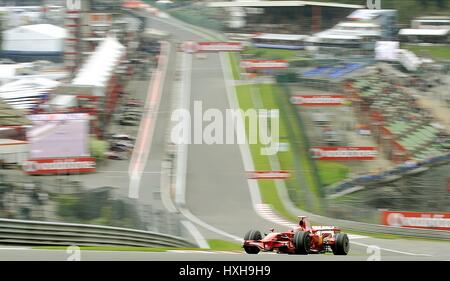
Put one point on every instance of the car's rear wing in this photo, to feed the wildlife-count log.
(325, 228)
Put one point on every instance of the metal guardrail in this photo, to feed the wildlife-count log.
(382, 229)
(393, 174)
(34, 233)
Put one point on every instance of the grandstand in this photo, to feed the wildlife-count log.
(332, 72)
(427, 30)
(357, 35)
(404, 129)
(279, 41)
(290, 17)
(26, 94)
(435, 22)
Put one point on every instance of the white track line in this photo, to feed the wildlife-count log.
(228, 252)
(182, 148)
(190, 252)
(209, 227)
(15, 248)
(201, 241)
(181, 165)
(182, 154)
(244, 148)
(165, 186)
(147, 126)
(391, 250)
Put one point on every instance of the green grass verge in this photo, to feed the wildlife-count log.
(267, 188)
(435, 52)
(392, 236)
(299, 151)
(288, 158)
(214, 244)
(222, 245)
(235, 69)
(331, 172)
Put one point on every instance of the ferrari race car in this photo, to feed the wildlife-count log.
(302, 240)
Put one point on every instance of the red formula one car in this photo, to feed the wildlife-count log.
(302, 240)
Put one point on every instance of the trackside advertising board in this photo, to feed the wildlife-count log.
(344, 153)
(59, 166)
(220, 46)
(318, 100)
(268, 175)
(264, 64)
(438, 221)
(193, 47)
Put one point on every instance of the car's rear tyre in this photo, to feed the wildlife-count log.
(252, 235)
(302, 243)
(252, 250)
(342, 245)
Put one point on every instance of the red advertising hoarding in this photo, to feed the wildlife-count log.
(268, 175)
(264, 64)
(220, 46)
(130, 4)
(344, 153)
(438, 221)
(193, 47)
(318, 100)
(73, 165)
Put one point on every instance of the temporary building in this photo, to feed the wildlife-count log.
(32, 42)
(26, 94)
(62, 102)
(100, 66)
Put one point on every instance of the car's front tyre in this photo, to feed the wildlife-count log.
(302, 243)
(252, 235)
(341, 245)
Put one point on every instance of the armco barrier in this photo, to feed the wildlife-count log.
(389, 175)
(382, 229)
(20, 232)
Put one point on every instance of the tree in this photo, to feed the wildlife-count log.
(98, 148)
(423, 3)
(441, 3)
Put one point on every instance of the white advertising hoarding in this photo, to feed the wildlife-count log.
(58, 135)
(387, 50)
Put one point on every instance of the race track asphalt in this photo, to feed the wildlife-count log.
(217, 190)
(356, 254)
(216, 184)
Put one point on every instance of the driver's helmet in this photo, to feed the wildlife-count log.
(302, 222)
